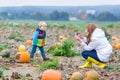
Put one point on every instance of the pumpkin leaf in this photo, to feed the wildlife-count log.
(65, 50)
(52, 64)
(2, 70)
(3, 46)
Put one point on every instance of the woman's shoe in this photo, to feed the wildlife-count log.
(88, 64)
(100, 64)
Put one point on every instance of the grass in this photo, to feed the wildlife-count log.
(34, 62)
(52, 64)
(2, 69)
(113, 67)
(79, 25)
(3, 46)
(16, 36)
(74, 25)
(6, 55)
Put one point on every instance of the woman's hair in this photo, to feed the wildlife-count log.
(90, 28)
(42, 23)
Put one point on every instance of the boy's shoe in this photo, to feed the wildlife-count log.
(31, 59)
(46, 59)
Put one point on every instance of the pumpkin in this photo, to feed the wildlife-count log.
(76, 76)
(51, 75)
(92, 75)
(32, 30)
(23, 57)
(21, 48)
(29, 42)
(116, 41)
(113, 44)
(114, 38)
(62, 38)
(58, 44)
(117, 46)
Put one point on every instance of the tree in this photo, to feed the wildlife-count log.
(40, 16)
(106, 16)
(55, 15)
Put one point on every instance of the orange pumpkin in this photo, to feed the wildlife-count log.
(113, 44)
(114, 38)
(23, 57)
(76, 76)
(116, 41)
(29, 42)
(58, 44)
(117, 46)
(51, 75)
(92, 75)
(22, 48)
(62, 38)
(32, 30)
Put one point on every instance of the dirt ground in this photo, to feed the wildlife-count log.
(67, 65)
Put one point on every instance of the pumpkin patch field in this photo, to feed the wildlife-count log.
(62, 49)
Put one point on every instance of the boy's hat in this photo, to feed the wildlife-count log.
(42, 23)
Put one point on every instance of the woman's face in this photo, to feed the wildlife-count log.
(86, 31)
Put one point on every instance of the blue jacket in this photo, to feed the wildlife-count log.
(39, 38)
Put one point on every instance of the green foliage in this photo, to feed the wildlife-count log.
(113, 67)
(3, 46)
(2, 70)
(34, 61)
(51, 49)
(11, 37)
(19, 39)
(6, 55)
(16, 36)
(21, 76)
(65, 50)
(5, 68)
(108, 36)
(52, 64)
(109, 67)
(106, 16)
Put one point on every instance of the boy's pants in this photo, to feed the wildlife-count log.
(34, 50)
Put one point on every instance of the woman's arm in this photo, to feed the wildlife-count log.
(91, 46)
(84, 39)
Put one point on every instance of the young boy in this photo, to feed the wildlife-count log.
(39, 40)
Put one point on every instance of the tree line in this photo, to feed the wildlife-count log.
(57, 15)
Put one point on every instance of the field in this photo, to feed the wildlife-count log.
(15, 33)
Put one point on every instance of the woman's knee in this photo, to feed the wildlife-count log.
(83, 53)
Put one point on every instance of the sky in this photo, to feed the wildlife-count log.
(58, 2)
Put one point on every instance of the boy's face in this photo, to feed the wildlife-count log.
(44, 28)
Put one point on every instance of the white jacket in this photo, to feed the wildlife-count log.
(99, 43)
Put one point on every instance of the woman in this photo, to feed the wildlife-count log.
(97, 47)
